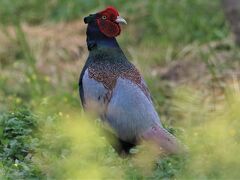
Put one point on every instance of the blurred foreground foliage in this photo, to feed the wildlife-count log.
(211, 133)
(65, 145)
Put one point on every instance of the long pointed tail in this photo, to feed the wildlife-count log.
(164, 139)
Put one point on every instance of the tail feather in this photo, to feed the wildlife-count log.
(164, 139)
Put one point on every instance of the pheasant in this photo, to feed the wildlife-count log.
(113, 88)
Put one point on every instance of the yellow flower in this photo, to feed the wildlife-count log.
(34, 77)
(232, 132)
(47, 78)
(18, 100)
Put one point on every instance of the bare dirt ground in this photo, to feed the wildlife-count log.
(60, 52)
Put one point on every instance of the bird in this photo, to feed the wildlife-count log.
(112, 87)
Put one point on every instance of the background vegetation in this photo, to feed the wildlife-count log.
(189, 60)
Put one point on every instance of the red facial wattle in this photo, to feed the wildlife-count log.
(108, 28)
(106, 22)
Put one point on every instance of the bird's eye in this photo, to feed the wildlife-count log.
(104, 17)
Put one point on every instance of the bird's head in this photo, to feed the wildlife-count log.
(107, 21)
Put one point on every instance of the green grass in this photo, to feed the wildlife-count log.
(18, 142)
(160, 21)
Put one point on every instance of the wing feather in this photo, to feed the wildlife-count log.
(130, 112)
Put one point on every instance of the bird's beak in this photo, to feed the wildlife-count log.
(120, 20)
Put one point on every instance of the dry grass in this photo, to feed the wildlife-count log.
(59, 49)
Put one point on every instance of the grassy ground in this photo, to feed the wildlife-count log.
(188, 59)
